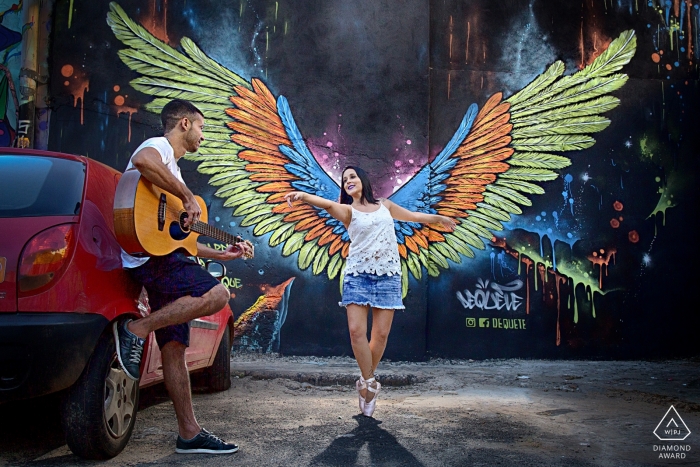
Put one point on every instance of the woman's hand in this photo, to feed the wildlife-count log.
(294, 196)
(448, 223)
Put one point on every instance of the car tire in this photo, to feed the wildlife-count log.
(218, 376)
(98, 412)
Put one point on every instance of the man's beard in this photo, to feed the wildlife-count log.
(191, 139)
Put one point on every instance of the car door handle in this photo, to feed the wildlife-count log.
(200, 323)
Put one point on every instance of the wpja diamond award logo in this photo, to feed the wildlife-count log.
(672, 428)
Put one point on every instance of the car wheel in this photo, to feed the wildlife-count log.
(218, 376)
(99, 411)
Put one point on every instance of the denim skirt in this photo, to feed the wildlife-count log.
(375, 291)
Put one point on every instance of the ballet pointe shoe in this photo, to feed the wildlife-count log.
(370, 405)
(360, 384)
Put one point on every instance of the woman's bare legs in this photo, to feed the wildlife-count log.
(357, 325)
(381, 325)
(368, 353)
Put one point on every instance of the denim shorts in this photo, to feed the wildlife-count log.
(375, 291)
(167, 278)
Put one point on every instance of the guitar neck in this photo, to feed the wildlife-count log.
(213, 232)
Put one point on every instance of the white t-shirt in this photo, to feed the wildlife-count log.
(167, 155)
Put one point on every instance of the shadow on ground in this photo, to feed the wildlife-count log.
(383, 447)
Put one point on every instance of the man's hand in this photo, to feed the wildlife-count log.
(236, 251)
(194, 210)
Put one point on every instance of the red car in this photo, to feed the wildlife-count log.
(61, 288)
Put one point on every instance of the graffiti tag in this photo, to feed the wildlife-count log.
(497, 298)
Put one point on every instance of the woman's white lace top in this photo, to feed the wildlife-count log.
(373, 246)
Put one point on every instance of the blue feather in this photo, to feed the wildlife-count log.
(314, 179)
(420, 192)
(459, 135)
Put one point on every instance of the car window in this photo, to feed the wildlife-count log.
(34, 186)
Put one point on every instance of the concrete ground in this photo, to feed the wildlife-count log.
(298, 411)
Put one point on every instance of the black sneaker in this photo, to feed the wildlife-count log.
(204, 443)
(129, 349)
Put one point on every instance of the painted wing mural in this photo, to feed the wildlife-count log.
(254, 152)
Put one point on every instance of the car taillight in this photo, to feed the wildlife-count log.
(45, 257)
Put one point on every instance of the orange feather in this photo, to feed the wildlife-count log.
(262, 158)
(274, 187)
(335, 246)
(402, 251)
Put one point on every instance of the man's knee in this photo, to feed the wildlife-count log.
(217, 298)
(173, 351)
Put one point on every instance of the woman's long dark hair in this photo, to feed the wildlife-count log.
(367, 194)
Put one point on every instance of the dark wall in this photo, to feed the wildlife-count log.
(385, 85)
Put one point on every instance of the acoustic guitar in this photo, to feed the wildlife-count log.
(149, 221)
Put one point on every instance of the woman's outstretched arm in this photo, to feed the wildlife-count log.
(342, 212)
(403, 214)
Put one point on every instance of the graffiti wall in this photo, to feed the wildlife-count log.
(561, 136)
(10, 62)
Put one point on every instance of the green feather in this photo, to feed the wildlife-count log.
(212, 66)
(268, 225)
(494, 213)
(293, 243)
(513, 195)
(520, 185)
(502, 203)
(413, 265)
(281, 234)
(482, 219)
(554, 71)
(565, 126)
(226, 176)
(582, 92)
(618, 54)
(553, 143)
(306, 253)
(334, 265)
(244, 199)
(247, 208)
(459, 247)
(404, 279)
(466, 236)
(261, 214)
(231, 189)
(473, 223)
(147, 65)
(168, 88)
(537, 160)
(134, 35)
(437, 257)
(423, 257)
(219, 167)
(596, 106)
(321, 260)
(529, 173)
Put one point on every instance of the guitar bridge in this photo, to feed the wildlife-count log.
(161, 212)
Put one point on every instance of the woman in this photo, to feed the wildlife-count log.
(372, 271)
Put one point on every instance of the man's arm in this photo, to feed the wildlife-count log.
(232, 252)
(149, 163)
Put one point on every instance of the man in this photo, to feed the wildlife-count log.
(179, 289)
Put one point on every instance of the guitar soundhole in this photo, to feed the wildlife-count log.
(183, 217)
(177, 229)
